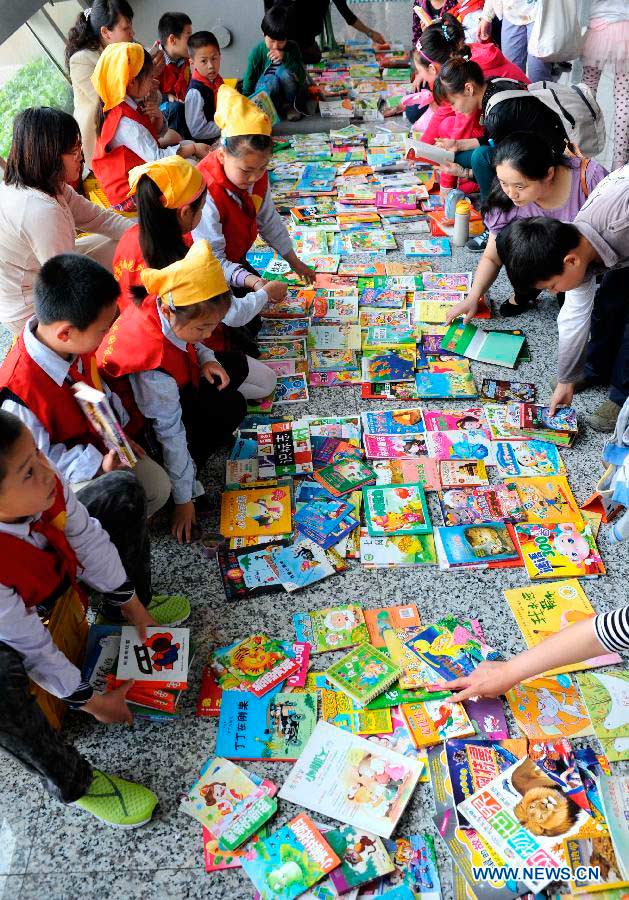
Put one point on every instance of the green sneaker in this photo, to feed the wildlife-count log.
(119, 803)
(168, 610)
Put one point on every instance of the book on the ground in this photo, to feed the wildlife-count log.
(284, 449)
(289, 861)
(396, 550)
(275, 727)
(416, 674)
(476, 545)
(427, 247)
(394, 446)
(255, 512)
(528, 459)
(334, 336)
(396, 510)
(498, 348)
(531, 416)
(451, 647)
(363, 673)
(462, 473)
(100, 415)
(301, 564)
(339, 709)
(614, 792)
(393, 421)
(161, 659)
(382, 365)
(432, 721)
(549, 707)
(363, 858)
(396, 616)
(416, 874)
(561, 550)
(507, 391)
(291, 389)
(421, 470)
(474, 505)
(470, 444)
(345, 476)
(450, 420)
(606, 696)
(352, 780)
(246, 573)
(259, 663)
(445, 385)
(332, 628)
(547, 500)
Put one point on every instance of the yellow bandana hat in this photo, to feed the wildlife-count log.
(118, 64)
(178, 180)
(236, 114)
(196, 277)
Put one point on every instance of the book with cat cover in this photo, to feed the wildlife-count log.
(284, 449)
(274, 727)
(495, 347)
(259, 511)
(363, 673)
(547, 499)
(396, 510)
(432, 721)
(422, 471)
(161, 659)
(543, 610)
(445, 385)
(258, 664)
(352, 780)
(339, 709)
(363, 858)
(462, 473)
(393, 421)
(549, 707)
(301, 564)
(528, 459)
(401, 550)
(606, 696)
(500, 391)
(345, 476)
(381, 365)
(474, 505)
(396, 616)
(469, 444)
(331, 628)
(472, 418)
(289, 861)
(477, 546)
(561, 550)
(394, 446)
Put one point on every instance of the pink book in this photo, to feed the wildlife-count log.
(394, 446)
(472, 418)
(396, 199)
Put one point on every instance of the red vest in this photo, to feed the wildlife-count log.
(112, 167)
(239, 223)
(22, 379)
(136, 343)
(174, 80)
(41, 576)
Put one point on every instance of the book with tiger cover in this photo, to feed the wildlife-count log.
(257, 664)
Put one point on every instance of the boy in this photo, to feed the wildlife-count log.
(47, 540)
(76, 300)
(200, 105)
(568, 258)
(174, 30)
(275, 65)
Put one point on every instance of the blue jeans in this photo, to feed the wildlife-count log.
(481, 161)
(175, 115)
(608, 349)
(281, 86)
(514, 44)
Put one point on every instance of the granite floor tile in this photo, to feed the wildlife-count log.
(20, 803)
(10, 886)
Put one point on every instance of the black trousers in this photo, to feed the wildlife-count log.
(608, 349)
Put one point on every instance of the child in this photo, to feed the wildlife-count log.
(190, 395)
(604, 633)
(47, 541)
(239, 201)
(205, 56)
(275, 65)
(127, 137)
(174, 30)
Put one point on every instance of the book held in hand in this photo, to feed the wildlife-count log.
(102, 418)
(161, 659)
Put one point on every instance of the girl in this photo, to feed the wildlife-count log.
(40, 214)
(239, 202)
(190, 395)
(532, 179)
(127, 134)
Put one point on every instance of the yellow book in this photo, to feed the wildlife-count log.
(262, 511)
(432, 721)
(543, 610)
(415, 673)
(548, 499)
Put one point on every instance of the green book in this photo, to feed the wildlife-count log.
(396, 695)
(498, 347)
(345, 476)
(396, 509)
(363, 674)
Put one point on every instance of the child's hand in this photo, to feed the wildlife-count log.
(184, 517)
(159, 60)
(377, 38)
(111, 707)
(307, 274)
(214, 370)
(489, 679)
(111, 462)
(135, 612)
(466, 308)
(276, 56)
(562, 396)
(192, 148)
(447, 144)
(452, 168)
(276, 290)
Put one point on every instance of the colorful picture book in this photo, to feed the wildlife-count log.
(398, 616)
(499, 348)
(471, 506)
(291, 389)
(301, 564)
(391, 551)
(363, 858)
(332, 628)
(363, 673)
(259, 511)
(275, 727)
(563, 550)
(420, 470)
(390, 446)
(549, 707)
(160, 660)
(396, 510)
(284, 449)
(432, 721)
(507, 391)
(528, 459)
(393, 421)
(606, 696)
(548, 499)
(462, 473)
(256, 664)
(471, 444)
(427, 247)
(345, 476)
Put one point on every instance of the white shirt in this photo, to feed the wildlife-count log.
(33, 228)
(136, 137)
(20, 626)
(518, 12)
(199, 127)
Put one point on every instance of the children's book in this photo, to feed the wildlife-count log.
(335, 308)
(472, 763)
(301, 564)
(334, 336)
(547, 500)
(258, 511)
(352, 780)
(614, 792)
(432, 721)
(216, 860)
(363, 673)
(396, 510)
(372, 240)
(393, 421)
(258, 664)
(345, 476)
(363, 858)
(290, 860)
(462, 473)
(394, 446)
(379, 336)
(427, 247)
(401, 550)
(282, 349)
(543, 610)
(488, 718)
(161, 659)
(528, 459)
(288, 330)
(451, 420)
(246, 573)
(433, 307)
(452, 647)
(563, 550)
(328, 451)
(549, 707)
(476, 545)
(383, 298)
(422, 471)
(530, 416)
(97, 410)
(396, 318)
(507, 391)
(274, 727)
(499, 348)
(229, 803)
(474, 505)
(384, 365)
(346, 427)
(447, 281)
(398, 616)
(470, 444)
(284, 449)
(606, 696)
(339, 709)
(416, 874)
(445, 385)
(331, 628)
(334, 360)
(291, 389)
(241, 472)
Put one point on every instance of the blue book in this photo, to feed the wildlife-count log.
(322, 514)
(442, 385)
(276, 726)
(393, 421)
(460, 545)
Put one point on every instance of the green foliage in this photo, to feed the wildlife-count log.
(38, 83)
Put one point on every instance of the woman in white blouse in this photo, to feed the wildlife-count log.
(40, 214)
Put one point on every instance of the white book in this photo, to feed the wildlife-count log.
(162, 657)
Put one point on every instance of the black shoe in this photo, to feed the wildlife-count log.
(479, 243)
(507, 308)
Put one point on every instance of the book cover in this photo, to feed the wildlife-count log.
(393, 421)
(333, 308)
(217, 860)
(282, 349)
(400, 550)
(363, 858)
(606, 696)
(422, 471)
(562, 550)
(498, 348)
(462, 473)
(614, 792)
(528, 459)
(290, 860)
(432, 721)
(334, 336)
(291, 389)
(378, 336)
(259, 511)
(384, 365)
(363, 673)
(474, 505)
(397, 616)
(393, 446)
(352, 780)
(374, 316)
(507, 391)
(161, 659)
(301, 564)
(274, 727)
(97, 410)
(339, 709)
(472, 763)
(470, 444)
(328, 451)
(445, 385)
(447, 281)
(427, 247)
(334, 361)
(549, 707)
(488, 718)
(547, 500)
(416, 674)
(452, 647)
(245, 573)
(332, 628)
(258, 663)
(345, 476)
(416, 874)
(470, 419)
(283, 329)
(475, 545)
(533, 416)
(396, 510)
(284, 449)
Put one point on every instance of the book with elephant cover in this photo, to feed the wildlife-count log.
(606, 696)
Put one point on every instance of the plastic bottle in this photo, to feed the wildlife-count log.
(461, 231)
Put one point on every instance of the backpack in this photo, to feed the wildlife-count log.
(574, 104)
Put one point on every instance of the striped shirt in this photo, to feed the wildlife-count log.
(612, 629)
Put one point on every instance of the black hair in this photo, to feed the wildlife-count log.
(202, 39)
(533, 249)
(442, 40)
(235, 145)
(172, 23)
(453, 77)
(147, 66)
(41, 135)
(528, 153)
(85, 33)
(275, 23)
(161, 238)
(11, 429)
(188, 313)
(73, 288)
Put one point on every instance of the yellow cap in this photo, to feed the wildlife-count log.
(196, 277)
(118, 64)
(236, 114)
(178, 180)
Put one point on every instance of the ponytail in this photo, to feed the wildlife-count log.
(441, 41)
(85, 34)
(453, 77)
(161, 237)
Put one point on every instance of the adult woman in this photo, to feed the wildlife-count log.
(532, 179)
(40, 213)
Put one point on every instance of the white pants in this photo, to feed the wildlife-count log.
(260, 382)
